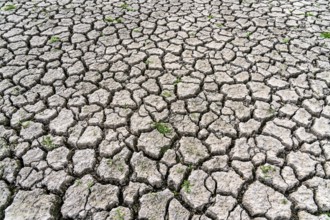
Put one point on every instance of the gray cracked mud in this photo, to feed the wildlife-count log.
(201, 109)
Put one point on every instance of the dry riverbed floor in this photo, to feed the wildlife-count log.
(165, 109)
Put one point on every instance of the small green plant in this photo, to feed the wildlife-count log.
(25, 124)
(286, 40)
(194, 115)
(192, 34)
(126, 7)
(137, 30)
(8, 7)
(186, 186)
(271, 110)
(110, 162)
(47, 142)
(177, 81)
(117, 164)
(109, 19)
(176, 193)
(284, 201)
(54, 39)
(162, 128)
(309, 14)
(267, 169)
(147, 62)
(248, 34)
(143, 165)
(325, 35)
(119, 20)
(120, 167)
(167, 94)
(120, 215)
(16, 91)
(327, 214)
(4, 144)
(210, 17)
(219, 25)
(179, 170)
(112, 20)
(78, 182)
(90, 184)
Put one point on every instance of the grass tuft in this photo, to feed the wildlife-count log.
(25, 124)
(309, 14)
(162, 128)
(325, 35)
(54, 39)
(113, 20)
(47, 142)
(119, 215)
(8, 7)
(266, 169)
(126, 7)
(166, 94)
(186, 186)
(177, 81)
(219, 25)
(210, 17)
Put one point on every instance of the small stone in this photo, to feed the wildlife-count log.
(120, 213)
(83, 161)
(228, 182)
(237, 92)
(194, 192)
(145, 170)
(303, 198)
(62, 122)
(115, 169)
(263, 200)
(283, 134)
(133, 191)
(177, 211)
(75, 198)
(187, 90)
(35, 204)
(57, 181)
(321, 127)
(31, 130)
(123, 99)
(91, 137)
(33, 156)
(192, 150)
(153, 143)
(58, 158)
(203, 66)
(102, 197)
(5, 195)
(153, 205)
(302, 164)
(176, 175)
(222, 207)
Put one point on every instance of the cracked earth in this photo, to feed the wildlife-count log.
(153, 109)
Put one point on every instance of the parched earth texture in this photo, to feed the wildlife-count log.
(165, 109)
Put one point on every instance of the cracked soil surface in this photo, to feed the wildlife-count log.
(165, 109)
